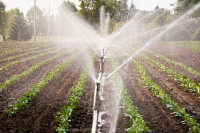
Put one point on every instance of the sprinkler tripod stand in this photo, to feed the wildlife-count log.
(97, 87)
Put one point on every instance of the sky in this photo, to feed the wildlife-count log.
(25, 5)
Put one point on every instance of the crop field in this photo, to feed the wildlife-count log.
(47, 87)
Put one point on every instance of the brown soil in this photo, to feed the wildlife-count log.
(82, 116)
(189, 58)
(185, 99)
(158, 116)
(16, 90)
(16, 69)
(178, 69)
(27, 50)
(39, 116)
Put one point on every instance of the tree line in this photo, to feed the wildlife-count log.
(14, 25)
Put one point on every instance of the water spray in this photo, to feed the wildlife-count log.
(155, 38)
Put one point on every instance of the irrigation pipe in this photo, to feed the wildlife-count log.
(97, 87)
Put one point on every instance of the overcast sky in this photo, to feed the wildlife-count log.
(24, 5)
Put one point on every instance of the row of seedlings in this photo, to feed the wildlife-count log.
(27, 71)
(63, 117)
(183, 66)
(184, 81)
(22, 102)
(27, 59)
(138, 125)
(146, 81)
(13, 45)
(24, 54)
(21, 50)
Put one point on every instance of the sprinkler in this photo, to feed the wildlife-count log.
(98, 83)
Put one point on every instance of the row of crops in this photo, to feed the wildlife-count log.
(146, 81)
(25, 53)
(62, 117)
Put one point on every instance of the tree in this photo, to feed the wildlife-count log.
(3, 19)
(41, 21)
(122, 10)
(96, 12)
(132, 11)
(19, 29)
(70, 5)
(10, 18)
(184, 5)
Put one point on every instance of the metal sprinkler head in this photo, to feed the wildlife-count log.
(98, 83)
